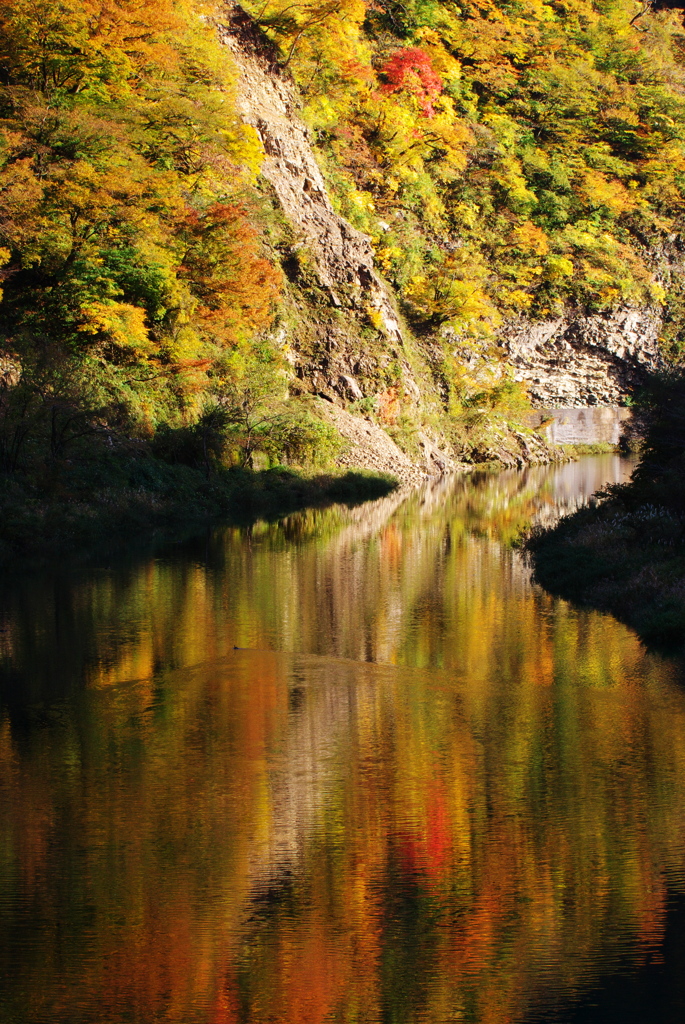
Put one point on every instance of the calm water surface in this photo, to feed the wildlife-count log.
(422, 790)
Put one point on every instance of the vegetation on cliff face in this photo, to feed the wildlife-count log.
(625, 552)
(508, 159)
(504, 157)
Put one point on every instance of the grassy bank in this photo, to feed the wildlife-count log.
(625, 552)
(118, 498)
(580, 451)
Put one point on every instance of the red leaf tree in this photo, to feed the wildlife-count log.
(411, 70)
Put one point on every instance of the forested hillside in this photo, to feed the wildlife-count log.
(132, 263)
(504, 156)
(507, 159)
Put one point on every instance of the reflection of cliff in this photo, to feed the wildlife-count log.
(525, 865)
(349, 582)
(311, 833)
(203, 834)
(381, 588)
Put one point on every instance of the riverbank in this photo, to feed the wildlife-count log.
(625, 552)
(116, 499)
(621, 556)
(128, 491)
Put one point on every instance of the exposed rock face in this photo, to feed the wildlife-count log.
(267, 100)
(372, 449)
(584, 360)
(340, 367)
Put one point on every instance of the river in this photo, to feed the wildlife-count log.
(349, 767)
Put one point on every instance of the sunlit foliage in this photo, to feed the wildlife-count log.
(544, 142)
(506, 159)
(130, 241)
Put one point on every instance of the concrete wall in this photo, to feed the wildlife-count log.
(595, 424)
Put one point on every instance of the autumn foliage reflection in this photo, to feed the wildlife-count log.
(439, 796)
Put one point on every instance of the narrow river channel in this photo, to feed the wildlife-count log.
(349, 767)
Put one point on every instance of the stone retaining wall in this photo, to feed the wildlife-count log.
(595, 424)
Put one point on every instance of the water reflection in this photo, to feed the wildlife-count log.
(424, 792)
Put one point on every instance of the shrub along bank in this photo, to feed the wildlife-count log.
(70, 477)
(625, 552)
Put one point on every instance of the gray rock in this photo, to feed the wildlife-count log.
(267, 100)
(577, 360)
(351, 387)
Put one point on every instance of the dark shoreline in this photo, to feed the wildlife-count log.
(82, 508)
(622, 556)
(625, 552)
(70, 518)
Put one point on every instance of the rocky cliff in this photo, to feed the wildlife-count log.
(344, 341)
(577, 361)
(344, 337)
(342, 256)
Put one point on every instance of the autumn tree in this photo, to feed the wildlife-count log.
(131, 250)
(411, 70)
